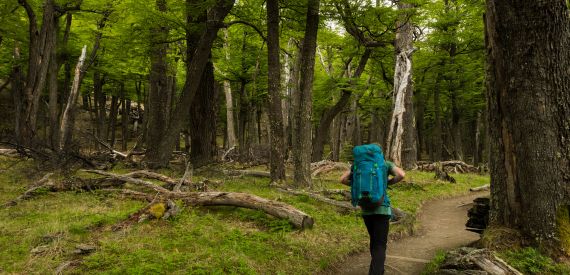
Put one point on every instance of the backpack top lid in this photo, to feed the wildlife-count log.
(367, 152)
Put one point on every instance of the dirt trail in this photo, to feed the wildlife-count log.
(442, 227)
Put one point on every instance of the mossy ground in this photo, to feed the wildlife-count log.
(212, 240)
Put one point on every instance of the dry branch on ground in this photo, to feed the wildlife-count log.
(450, 166)
(467, 260)
(44, 182)
(325, 166)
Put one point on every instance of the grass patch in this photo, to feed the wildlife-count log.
(201, 240)
(529, 261)
(433, 266)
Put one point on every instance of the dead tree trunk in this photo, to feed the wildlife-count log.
(230, 124)
(66, 119)
(402, 135)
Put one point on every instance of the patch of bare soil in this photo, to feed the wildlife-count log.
(442, 228)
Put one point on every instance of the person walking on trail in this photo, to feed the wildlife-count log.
(368, 178)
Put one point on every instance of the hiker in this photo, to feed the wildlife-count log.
(376, 212)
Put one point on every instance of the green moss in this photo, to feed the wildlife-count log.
(563, 224)
(157, 210)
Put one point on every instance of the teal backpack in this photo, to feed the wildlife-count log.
(369, 177)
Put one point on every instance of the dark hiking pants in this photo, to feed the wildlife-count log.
(377, 226)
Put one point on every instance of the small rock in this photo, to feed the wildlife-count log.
(39, 249)
(84, 249)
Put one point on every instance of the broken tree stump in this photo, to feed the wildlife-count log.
(478, 215)
(440, 174)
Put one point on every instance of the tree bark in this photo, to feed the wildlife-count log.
(17, 92)
(125, 111)
(302, 144)
(277, 155)
(158, 87)
(42, 41)
(402, 135)
(101, 103)
(529, 116)
(112, 127)
(203, 120)
(66, 118)
(230, 124)
(53, 96)
(437, 129)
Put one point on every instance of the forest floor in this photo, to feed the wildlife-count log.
(442, 227)
(42, 234)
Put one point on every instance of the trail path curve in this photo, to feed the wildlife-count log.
(442, 227)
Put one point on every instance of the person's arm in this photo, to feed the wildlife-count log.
(398, 175)
(345, 178)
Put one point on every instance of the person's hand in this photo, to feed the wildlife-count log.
(345, 178)
(398, 175)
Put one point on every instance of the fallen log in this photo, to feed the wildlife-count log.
(13, 153)
(44, 182)
(326, 166)
(341, 204)
(480, 188)
(131, 180)
(151, 175)
(492, 264)
(274, 208)
(253, 173)
(449, 166)
(467, 260)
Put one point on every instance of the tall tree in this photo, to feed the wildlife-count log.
(402, 144)
(230, 124)
(277, 142)
(529, 116)
(42, 40)
(302, 144)
(195, 64)
(158, 89)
